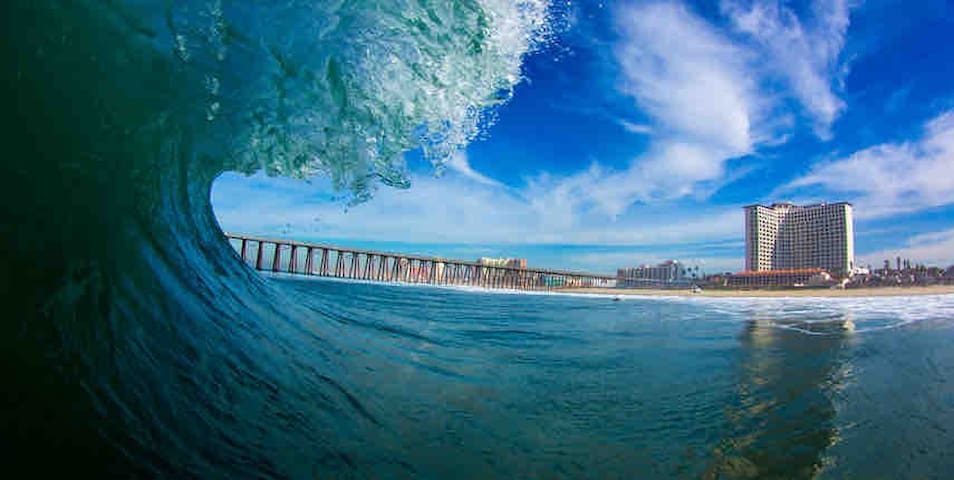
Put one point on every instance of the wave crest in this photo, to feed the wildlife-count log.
(344, 89)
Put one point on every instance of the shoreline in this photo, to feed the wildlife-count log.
(912, 291)
(808, 292)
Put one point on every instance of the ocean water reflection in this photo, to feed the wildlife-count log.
(782, 421)
(480, 385)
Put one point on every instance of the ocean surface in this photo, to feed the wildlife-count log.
(495, 385)
(135, 343)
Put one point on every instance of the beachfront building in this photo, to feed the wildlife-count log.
(784, 236)
(503, 262)
(780, 278)
(670, 272)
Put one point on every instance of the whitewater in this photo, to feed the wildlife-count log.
(135, 342)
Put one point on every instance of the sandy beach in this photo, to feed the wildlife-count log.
(807, 292)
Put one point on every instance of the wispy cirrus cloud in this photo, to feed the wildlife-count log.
(694, 86)
(638, 128)
(707, 94)
(459, 217)
(609, 261)
(687, 76)
(935, 248)
(710, 94)
(460, 164)
(453, 209)
(805, 52)
(891, 178)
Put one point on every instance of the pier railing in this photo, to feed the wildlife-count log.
(288, 256)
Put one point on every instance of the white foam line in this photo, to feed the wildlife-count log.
(902, 310)
(457, 288)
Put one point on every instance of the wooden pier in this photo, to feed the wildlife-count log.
(287, 256)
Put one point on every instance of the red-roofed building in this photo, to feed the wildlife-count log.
(780, 278)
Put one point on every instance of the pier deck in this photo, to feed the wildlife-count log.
(313, 259)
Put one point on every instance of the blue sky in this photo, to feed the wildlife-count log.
(641, 130)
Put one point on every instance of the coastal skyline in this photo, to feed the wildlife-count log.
(404, 337)
(642, 129)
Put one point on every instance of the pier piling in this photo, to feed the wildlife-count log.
(358, 264)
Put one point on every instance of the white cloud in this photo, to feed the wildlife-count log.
(455, 210)
(637, 128)
(698, 91)
(686, 75)
(708, 96)
(608, 261)
(893, 178)
(935, 248)
(668, 172)
(460, 164)
(805, 53)
(706, 101)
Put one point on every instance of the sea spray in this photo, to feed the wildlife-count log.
(135, 341)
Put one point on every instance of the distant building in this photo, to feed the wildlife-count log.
(784, 236)
(666, 273)
(780, 278)
(503, 262)
(862, 271)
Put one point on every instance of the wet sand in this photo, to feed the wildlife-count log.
(794, 292)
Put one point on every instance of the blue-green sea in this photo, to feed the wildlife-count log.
(497, 385)
(134, 343)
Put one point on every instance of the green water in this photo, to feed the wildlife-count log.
(135, 343)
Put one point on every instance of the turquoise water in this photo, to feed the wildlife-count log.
(487, 385)
(134, 342)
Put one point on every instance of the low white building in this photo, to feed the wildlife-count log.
(666, 273)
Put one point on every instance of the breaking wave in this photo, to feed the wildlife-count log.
(135, 341)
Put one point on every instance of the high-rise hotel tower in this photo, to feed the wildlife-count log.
(786, 236)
